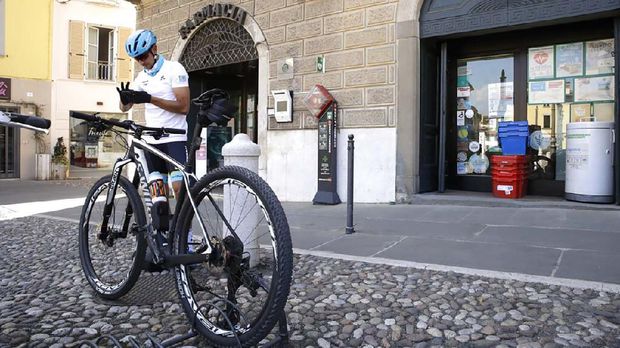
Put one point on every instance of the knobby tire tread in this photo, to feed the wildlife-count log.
(279, 295)
(139, 217)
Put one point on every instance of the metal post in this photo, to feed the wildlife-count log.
(443, 85)
(350, 150)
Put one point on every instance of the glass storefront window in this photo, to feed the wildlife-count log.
(93, 150)
(484, 97)
(570, 82)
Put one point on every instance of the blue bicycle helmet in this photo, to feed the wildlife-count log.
(140, 42)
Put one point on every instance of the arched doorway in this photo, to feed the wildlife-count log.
(222, 54)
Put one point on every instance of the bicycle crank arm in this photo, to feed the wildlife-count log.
(185, 259)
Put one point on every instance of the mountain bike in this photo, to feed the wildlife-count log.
(229, 240)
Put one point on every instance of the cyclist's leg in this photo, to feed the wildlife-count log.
(178, 151)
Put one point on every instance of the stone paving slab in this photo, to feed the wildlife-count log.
(45, 302)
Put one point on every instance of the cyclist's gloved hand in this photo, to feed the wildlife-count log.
(124, 93)
(129, 96)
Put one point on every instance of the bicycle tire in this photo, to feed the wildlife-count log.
(96, 271)
(275, 295)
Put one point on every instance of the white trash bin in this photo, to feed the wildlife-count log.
(589, 162)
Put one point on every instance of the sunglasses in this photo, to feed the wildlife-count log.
(143, 56)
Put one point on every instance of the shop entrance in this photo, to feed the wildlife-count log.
(222, 54)
(241, 82)
(532, 76)
(9, 149)
(548, 68)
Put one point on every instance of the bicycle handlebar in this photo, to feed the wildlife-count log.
(127, 124)
(25, 121)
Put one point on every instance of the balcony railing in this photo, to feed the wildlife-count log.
(100, 71)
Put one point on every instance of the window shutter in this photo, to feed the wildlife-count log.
(124, 63)
(76, 49)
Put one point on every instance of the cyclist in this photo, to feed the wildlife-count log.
(163, 87)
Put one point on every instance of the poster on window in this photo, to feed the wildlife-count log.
(546, 92)
(600, 57)
(569, 59)
(500, 100)
(540, 62)
(589, 89)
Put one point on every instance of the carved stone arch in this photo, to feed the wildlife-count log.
(254, 31)
(218, 42)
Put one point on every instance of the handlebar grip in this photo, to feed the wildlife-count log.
(83, 116)
(32, 121)
(174, 131)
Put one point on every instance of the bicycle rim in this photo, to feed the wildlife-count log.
(111, 263)
(237, 297)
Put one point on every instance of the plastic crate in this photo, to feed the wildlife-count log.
(509, 159)
(512, 124)
(513, 143)
(517, 173)
(509, 188)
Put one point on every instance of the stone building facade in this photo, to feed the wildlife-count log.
(369, 48)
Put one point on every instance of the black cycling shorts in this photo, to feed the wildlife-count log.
(176, 150)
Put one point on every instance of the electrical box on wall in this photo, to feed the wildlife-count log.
(283, 105)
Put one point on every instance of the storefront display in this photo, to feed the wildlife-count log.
(484, 95)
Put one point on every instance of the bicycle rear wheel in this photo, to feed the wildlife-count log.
(112, 261)
(237, 296)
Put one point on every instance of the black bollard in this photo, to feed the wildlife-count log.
(350, 150)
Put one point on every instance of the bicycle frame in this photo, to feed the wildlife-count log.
(136, 154)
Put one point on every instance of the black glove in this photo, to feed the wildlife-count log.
(129, 96)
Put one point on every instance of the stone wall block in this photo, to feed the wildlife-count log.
(349, 97)
(368, 76)
(344, 21)
(262, 21)
(366, 37)
(331, 80)
(381, 14)
(248, 6)
(344, 59)
(160, 19)
(305, 65)
(295, 124)
(365, 117)
(264, 6)
(349, 4)
(380, 95)
(380, 55)
(275, 36)
(309, 121)
(320, 8)
(293, 84)
(286, 50)
(311, 28)
(322, 44)
(287, 15)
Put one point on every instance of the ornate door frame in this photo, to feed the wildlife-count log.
(262, 49)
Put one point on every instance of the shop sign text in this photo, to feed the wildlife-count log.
(229, 11)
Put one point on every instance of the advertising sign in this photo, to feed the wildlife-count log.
(546, 92)
(600, 57)
(5, 88)
(600, 88)
(569, 59)
(540, 62)
(327, 175)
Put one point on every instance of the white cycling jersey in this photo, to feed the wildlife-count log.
(171, 75)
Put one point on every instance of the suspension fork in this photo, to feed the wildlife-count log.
(109, 202)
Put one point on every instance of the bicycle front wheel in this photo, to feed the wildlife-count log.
(111, 258)
(236, 297)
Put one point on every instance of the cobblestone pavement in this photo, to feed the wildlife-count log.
(45, 302)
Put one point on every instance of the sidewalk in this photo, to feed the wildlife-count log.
(455, 231)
